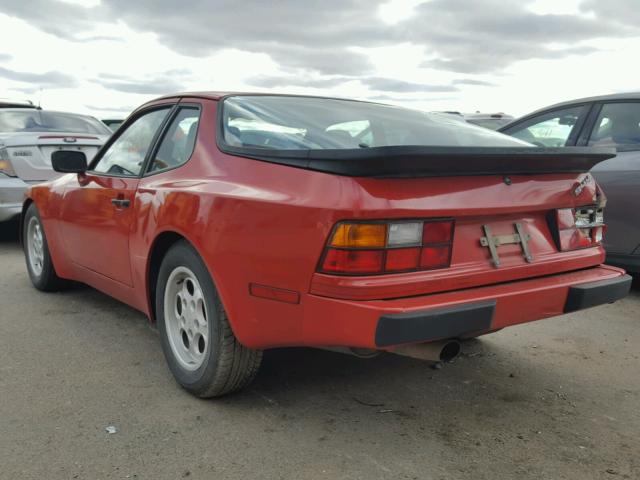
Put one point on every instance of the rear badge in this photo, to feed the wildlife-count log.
(70, 140)
(494, 242)
(578, 187)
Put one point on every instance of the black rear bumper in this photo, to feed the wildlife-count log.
(434, 324)
(587, 295)
(477, 317)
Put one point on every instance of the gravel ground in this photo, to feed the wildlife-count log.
(558, 399)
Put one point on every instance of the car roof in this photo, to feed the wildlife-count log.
(21, 109)
(599, 98)
(16, 104)
(493, 116)
(217, 95)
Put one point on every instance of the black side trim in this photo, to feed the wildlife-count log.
(592, 294)
(434, 324)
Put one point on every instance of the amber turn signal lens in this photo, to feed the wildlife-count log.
(359, 235)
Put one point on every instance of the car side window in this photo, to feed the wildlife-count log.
(179, 140)
(552, 129)
(618, 125)
(126, 154)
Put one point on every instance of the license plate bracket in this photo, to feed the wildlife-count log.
(493, 242)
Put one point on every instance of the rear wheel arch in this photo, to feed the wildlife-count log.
(25, 206)
(159, 248)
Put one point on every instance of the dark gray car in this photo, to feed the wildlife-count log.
(611, 120)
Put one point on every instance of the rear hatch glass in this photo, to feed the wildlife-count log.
(293, 123)
(353, 138)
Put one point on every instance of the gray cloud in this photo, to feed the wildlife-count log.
(144, 87)
(58, 18)
(401, 86)
(5, 57)
(621, 11)
(471, 81)
(489, 35)
(166, 82)
(316, 37)
(374, 83)
(124, 110)
(277, 81)
(40, 80)
(311, 35)
(403, 99)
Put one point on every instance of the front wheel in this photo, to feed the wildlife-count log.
(36, 251)
(200, 348)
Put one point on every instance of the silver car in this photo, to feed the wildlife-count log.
(606, 121)
(28, 137)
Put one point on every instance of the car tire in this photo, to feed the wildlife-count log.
(36, 252)
(201, 350)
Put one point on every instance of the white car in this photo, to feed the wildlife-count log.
(28, 137)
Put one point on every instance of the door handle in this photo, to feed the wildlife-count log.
(121, 202)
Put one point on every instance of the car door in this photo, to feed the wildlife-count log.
(617, 124)
(98, 208)
(559, 127)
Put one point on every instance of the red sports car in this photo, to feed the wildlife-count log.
(242, 222)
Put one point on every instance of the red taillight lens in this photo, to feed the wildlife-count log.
(353, 261)
(437, 232)
(399, 259)
(385, 247)
(435, 257)
(578, 228)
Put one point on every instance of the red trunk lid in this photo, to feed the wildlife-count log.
(485, 208)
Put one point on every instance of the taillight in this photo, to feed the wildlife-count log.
(388, 247)
(5, 163)
(580, 227)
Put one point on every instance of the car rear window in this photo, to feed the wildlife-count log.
(310, 123)
(27, 120)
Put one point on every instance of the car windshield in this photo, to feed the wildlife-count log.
(27, 120)
(310, 123)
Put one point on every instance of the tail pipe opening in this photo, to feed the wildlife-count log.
(441, 351)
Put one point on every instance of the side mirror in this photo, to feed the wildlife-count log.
(69, 161)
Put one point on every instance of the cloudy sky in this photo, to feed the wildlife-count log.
(106, 57)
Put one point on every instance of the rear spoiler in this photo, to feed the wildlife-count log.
(419, 161)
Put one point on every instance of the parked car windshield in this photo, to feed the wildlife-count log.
(310, 123)
(33, 120)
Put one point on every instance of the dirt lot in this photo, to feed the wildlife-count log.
(558, 399)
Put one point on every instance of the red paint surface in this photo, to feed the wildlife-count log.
(260, 223)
